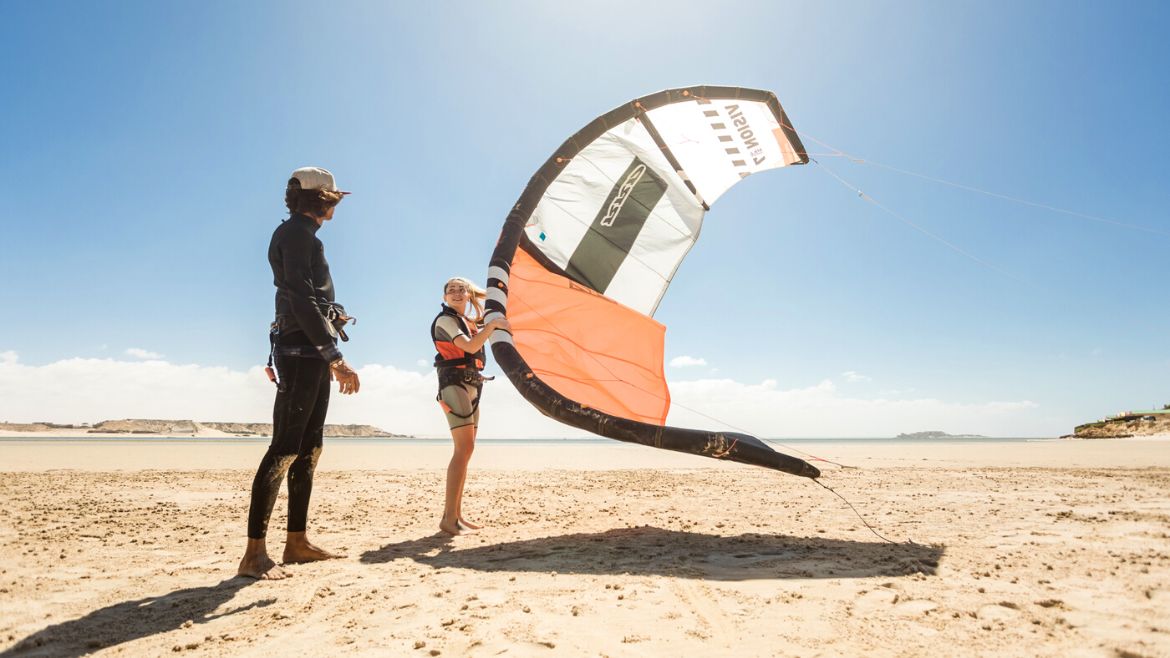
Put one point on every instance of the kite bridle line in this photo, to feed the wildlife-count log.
(859, 516)
(916, 227)
(838, 153)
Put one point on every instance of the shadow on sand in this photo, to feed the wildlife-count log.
(654, 551)
(132, 620)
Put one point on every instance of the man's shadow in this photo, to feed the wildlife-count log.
(131, 620)
(654, 551)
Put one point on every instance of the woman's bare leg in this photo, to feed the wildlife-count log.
(464, 438)
(459, 509)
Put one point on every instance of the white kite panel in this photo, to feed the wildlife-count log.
(594, 221)
(720, 142)
(665, 240)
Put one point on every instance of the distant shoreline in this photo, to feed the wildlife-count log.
(139, 427)
(189, 430)
(205, 434)
(202, 434)
(29, 453)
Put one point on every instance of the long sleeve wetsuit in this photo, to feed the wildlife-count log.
(303, 285)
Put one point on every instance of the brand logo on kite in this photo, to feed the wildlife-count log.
(747, 137)
(624, 191)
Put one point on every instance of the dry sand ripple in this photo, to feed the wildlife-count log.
(704, 561)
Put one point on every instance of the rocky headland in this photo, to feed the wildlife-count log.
(185, 428)
(1125, 425)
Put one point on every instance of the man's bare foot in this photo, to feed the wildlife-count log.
(450, 527)
(299, 549)
(468, 524)
(256, 563)
(261, 567)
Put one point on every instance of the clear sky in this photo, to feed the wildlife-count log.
(146, 146)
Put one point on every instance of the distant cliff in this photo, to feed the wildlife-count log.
(934, 434)
(1138, 423)
(38, 427)
(142, 426)
(337, 431)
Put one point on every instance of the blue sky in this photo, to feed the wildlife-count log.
(146, 146)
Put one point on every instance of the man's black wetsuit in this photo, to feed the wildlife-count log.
(303, 351)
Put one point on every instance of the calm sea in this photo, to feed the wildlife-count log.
(530, 442)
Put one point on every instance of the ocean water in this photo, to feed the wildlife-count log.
(529, 442)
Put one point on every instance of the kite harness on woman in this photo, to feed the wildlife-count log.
(456, 367)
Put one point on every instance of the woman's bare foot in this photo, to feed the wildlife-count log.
(299, 549)
(256, 563)
(450, 527)
(468, 524)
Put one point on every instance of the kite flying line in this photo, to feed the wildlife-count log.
(838, 153)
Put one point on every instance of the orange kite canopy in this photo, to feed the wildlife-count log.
(586, 346)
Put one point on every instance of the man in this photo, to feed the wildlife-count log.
(305, 355)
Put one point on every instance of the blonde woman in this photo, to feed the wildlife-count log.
(460, 344)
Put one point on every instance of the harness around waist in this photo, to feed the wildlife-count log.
(307, 351)
(466, 361)
(460, 376)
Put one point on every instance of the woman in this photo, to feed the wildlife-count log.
(461, 357)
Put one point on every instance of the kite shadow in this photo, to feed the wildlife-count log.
(132, 620)
(648, 550)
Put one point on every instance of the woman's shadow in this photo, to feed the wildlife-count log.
(655, 551)
(132, 620)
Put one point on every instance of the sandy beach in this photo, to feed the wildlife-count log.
(1019, 549)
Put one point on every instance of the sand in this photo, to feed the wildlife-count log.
(1020, 549)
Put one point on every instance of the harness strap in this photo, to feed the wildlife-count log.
(464, 361)
(273, 332)
(296, 350)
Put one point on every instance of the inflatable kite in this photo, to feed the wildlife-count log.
(590, 248)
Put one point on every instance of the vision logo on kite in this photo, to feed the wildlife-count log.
(624, 191)
(748, 146)
(746, 134)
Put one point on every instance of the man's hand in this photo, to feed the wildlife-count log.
(347, 379)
